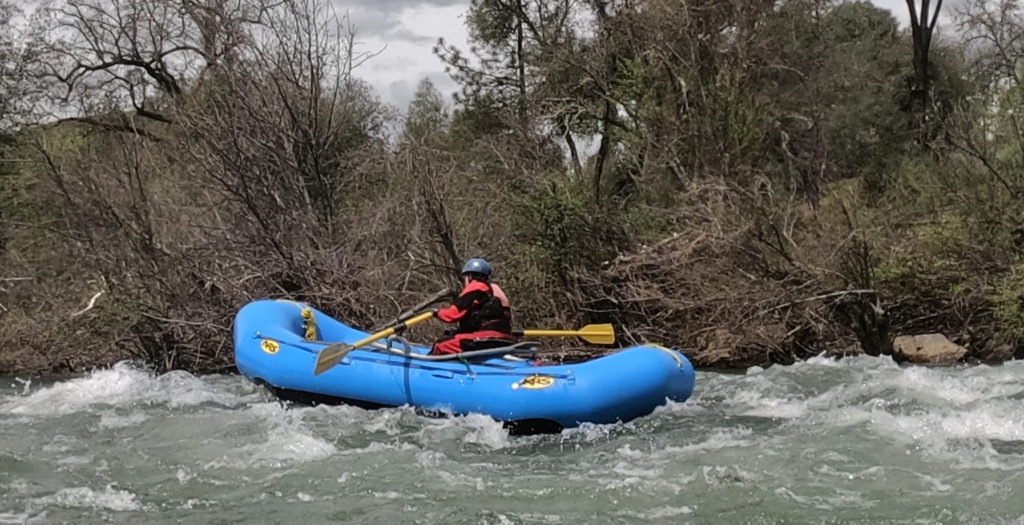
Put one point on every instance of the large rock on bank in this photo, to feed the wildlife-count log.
(927, 349)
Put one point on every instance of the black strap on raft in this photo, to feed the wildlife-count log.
(524, 347)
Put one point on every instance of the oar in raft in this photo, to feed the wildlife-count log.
(442, 294)
(331, 355)
(598, 334)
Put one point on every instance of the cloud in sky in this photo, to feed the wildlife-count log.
(899, 9)
(405, 31)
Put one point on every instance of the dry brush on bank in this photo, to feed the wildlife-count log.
(758, 189)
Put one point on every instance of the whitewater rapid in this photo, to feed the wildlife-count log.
(824, 441)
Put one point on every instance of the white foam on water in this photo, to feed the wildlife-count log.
(627, 451)
(111, 420)
(380, 447)
(692, 406)
(870, 473)
(18, 485)
(293, 445)
(483, 430)
(950, 416)
(460, 480)
(476, 429)
(347, 420)
(286, 445)
(660, 513)
(842, 499)
(957, 386)
(934, 482)
(26, 384)
(782, 408)
(950, 413)
(109, 498)
(119, 385)
(10, 517)
(591, 433)
(627, 471)
(194, 503)
(60, 443)
(722, 475)
(74, 460)
(288, 441)
(430, 458)
(650, 468)
(979, 397)
(388, 421)
(501, 520)
(179, 389)
(541, 518)
(988, 423)
(112, 386)
(638, 471)
(773, 394)
(729, 438)
(184, 476)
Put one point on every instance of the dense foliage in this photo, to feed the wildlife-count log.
(755, 182)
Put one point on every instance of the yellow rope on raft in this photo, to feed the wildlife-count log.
(309, 324)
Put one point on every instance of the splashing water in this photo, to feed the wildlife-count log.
(821, 441)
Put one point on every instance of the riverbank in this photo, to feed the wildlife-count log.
(28, 349)
(753, 200)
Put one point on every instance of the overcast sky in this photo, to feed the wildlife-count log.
(405, 32)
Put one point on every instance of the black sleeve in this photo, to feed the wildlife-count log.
(465, 302)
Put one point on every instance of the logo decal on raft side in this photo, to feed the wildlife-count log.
(270, 347)
(534, 382)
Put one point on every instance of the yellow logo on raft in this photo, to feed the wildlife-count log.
(270, 347)
(535, 382)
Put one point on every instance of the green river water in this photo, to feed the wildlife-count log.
(859, 440)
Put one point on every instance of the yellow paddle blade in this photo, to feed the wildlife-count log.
(330, 356)
(599, 334)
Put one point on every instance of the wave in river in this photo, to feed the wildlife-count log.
(822, 441)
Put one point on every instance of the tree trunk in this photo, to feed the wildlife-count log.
(603, 149)
(520, 63)
(922, 25)
(577, 166)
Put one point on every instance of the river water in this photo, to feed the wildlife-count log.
(857, 440)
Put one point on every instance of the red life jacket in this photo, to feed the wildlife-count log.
(493, 314)
(480, 307)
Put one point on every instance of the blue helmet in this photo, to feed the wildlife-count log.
(477, 265)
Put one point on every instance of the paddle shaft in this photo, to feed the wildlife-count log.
(546, 333)
(419, 307)
(602, 334)
(393, 330)
(332, 355)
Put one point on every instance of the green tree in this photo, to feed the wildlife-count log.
(427, 115)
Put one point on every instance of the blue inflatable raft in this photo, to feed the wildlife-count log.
(271, 349)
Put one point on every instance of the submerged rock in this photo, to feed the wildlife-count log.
(927, 349)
